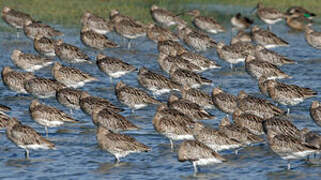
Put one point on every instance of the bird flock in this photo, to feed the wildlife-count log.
(255, 120)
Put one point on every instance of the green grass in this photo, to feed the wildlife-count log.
(69, 12)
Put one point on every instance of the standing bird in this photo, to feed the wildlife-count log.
(32, 29)
(69, 53)
(241, 22)
(268, 15)
(156, 83)
(301, 11)
(95, 40)
(120, 145)
(188, 79)
(249, 121)
(266, 55)
(257, 69)
(96, 23)
(158, 33)
(133, 97)
(203, 62)
(279, 125)
(113, 67)
(288, 94)
(71, 77)
(29, 62)
(48, 116)
(297, 21)
(315, 112)
(199, 97)
(224, 101)
(267, 38)
(207, 24)
(189, 108)
(44, 45)
(25, 137)
(164, 17)
(167, 62)
(242, 36)
(313, 38)
(42, 87)
(69, 97)
(198, 154)
(15, 80)
(171, 48)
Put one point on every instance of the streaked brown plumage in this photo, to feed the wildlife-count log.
(69, 97)
(120, 145)
(249, 121)
(70, 53)
(189, 108)
(42, 87)
(44, 45)
(267, 38)
(171, 48)
(25, 137)
(265, 55)
(157, 34)
(199, 97)
(288, 94)
(111, 120)
(32, 28)
(95, 40)
(268, 15)
(311, 138)
(187, 78)
(14, 18)
(4, 109)
(4, 120)
(167, 62)
(29, 62)
(256, 106)
(133, 97)
(257, 68)
(156, 83)
(14, 80)
(242, 36)
(279, 125)
(164, 17)
(164, 111)
(198, 154)
(203, 62)
(88, 103)
(48, 116)
(313, 38)
(224, 101)
(96, 23)
(241, 22)
(71, 77)
(205, 23)
(315, 112)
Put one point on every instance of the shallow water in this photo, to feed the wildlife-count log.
(78, 156)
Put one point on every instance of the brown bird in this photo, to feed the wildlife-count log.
(32, 29)
(42, 87)
(96, 23)
(95, 40)
(14, 18)
(315, 112)
(44, 45)
(199, 97)
(223, 101)
(249, 121)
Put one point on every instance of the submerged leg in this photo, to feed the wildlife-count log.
(288, 113)
(270, 27)
(289, 165)
(129, 41)
(46, 129)
(236, 151)
(172, 144)
(117, 161)
(231, 66)
(27, 154)
(195, 167)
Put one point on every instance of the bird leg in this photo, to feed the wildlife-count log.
(288, 113)
(27, 154)
(128, 45)
(289, 165)
(195, 167)
(117, 161)
(172, 145)
(236, 151)
(231, 66)
(46, 129)
(270, 27)
(111, 80)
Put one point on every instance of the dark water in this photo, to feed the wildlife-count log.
(78, 157)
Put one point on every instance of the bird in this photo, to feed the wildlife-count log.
(268, 15)
(257, 69)
(69, 97)
(26, 137)
(69, 53)
(164, 17)
(198, 154)
(242, 36)
(224, 101)
(267, 38)
(297, 21)
(95, 40)
(188, 79)
(281, 125)
(197, 59)
(167, 62)
(44, 46)
(315, 112)
(311, 138)
(301, 11)
(32, 28)
(111, 120)
(313, 38)
(88, 103)
(257, 106)
(171, 48)
(165, 122)
(155, 82)
(96, 23)
(266, 55)
(48, 116)
(158, 33)
(43, 87)
(288, 147)
(133, 97)
(29, 62)
(241, 22)
(14, 18)
(288, 94)
(4, 109)
(113, 67)
(71, 77)
(15, 80)
(189, 108)
(199, 97)
(205, 23)
(119, 145)
(249, 121)
(214, 139)
(238, 133)
(4, 120)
